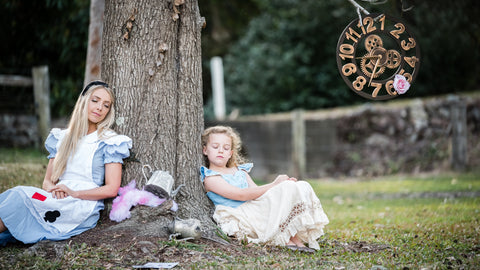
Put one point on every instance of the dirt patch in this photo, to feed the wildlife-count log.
(121, 249)
(124, 249)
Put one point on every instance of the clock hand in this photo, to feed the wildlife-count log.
(374, 69)
(369, 57)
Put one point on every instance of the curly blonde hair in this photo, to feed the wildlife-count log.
(237, 157)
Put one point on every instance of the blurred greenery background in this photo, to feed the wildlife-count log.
(278, 55)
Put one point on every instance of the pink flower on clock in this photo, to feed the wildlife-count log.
(400, 84)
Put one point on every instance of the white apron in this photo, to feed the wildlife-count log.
(64, 215)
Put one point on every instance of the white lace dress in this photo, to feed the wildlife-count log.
(288, 209)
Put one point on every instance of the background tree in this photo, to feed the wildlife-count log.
(44, 32)
(449, 36)
(152, 56)
(285, 54)
(226, 21)
(286, 59)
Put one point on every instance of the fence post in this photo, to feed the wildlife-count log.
(458, 118)
(218, 86)
(41, 90)
(299, 158)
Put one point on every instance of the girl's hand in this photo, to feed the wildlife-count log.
(61, 192)
(283, 177)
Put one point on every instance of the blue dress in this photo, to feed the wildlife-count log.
(238, 179)
(31, 214)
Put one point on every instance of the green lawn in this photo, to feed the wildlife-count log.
(394, 222)
(418, 232)
(21, 167)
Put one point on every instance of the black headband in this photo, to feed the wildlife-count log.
(94, 83)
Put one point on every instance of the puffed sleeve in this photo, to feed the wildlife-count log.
(116, 149)
(246, 167)
(204, 172)
(51, 143)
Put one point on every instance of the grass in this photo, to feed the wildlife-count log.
(21, 167)
(419, 233)
(443, 182)
(394, 222)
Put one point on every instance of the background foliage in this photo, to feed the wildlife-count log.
(286, 59)
(278, 54)
(46, 32)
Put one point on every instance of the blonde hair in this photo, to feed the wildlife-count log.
(78, 128)
(237, 157)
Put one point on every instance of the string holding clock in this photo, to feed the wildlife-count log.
(371, 52)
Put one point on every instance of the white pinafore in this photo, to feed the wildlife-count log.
(64, 215)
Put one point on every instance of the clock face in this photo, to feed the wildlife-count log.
(371, 53)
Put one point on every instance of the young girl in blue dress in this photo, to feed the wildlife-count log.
(285, 212)
(85, 167)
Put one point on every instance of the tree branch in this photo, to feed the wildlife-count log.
(359, 8)
(406, 9)
(375, 2)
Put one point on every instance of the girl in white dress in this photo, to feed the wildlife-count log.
(285, 212)
(85, 167)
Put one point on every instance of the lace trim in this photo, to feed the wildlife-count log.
(297, 210)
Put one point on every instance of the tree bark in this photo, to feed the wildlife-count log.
(152, 59)
(94, 49)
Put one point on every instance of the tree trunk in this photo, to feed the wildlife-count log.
(94, 49)
(152, 58)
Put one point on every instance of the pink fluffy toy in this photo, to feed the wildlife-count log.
(129, 196)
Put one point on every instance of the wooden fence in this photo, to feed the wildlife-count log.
(368, 140)
(40, 82)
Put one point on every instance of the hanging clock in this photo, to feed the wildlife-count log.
(370, 54)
